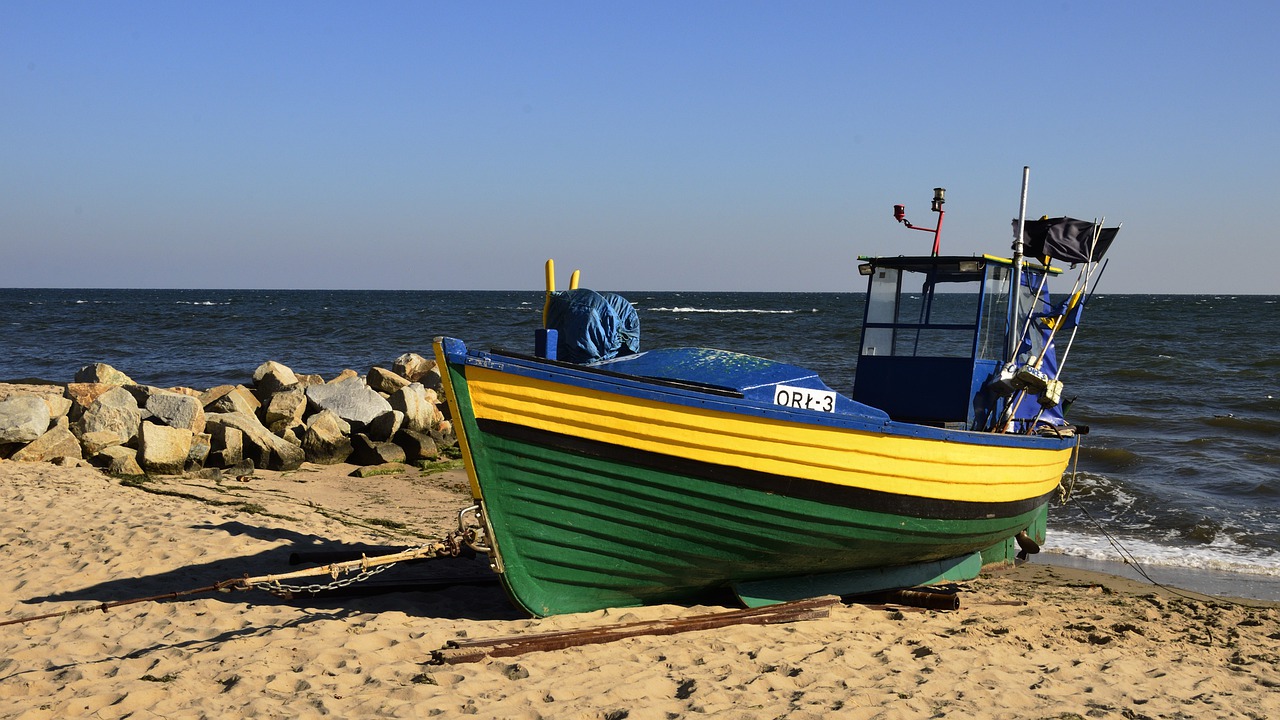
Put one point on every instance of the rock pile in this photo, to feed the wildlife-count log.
(280, 421)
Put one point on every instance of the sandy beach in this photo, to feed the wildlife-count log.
(1038, 641)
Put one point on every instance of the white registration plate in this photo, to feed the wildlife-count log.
(805, 398)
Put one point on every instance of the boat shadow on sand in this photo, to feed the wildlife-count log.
(451, 588)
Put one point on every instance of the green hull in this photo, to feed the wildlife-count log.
(578, 533)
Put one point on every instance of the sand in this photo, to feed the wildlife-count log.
(1035, 642)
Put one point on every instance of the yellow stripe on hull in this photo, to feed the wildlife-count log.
(925, 468)
(451, 397)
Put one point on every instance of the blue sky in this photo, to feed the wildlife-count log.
(655, 145)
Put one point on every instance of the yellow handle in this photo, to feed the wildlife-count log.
(551, 287)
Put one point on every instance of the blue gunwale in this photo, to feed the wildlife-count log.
(672, 392)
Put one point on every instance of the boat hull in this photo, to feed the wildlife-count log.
(600, 491)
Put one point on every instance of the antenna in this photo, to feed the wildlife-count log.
(939, 197)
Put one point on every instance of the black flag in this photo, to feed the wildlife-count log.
(1065, 239)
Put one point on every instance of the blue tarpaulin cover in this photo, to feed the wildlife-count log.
(1033, 346)
(592, 326)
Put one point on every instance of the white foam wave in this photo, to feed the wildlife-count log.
(717, 310)
(1223, 555)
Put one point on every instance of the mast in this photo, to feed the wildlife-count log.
(1012, 335)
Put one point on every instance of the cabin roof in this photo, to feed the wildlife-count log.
(948, 268)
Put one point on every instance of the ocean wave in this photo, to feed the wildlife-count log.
(199, 302)
(1111, 458)
(1221, 556)
(754, 311)
(1250, 424)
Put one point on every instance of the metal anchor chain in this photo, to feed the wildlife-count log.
(468, 535)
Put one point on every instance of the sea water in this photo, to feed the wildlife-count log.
(1180, 472)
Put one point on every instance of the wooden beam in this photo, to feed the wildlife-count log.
(463, 651)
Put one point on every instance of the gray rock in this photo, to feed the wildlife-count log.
(351, 399)
(214, 474)
(365, 451)
(118, 460)
(141, 393)
(266, 450)
(417, 445)
(177, 411)
(326, 440)
(56, 443)
(23, 418)
(59, 406)
(286, 406)
(305, 380)
(201, 446)
(390, 468)
(228, 446)
(413, 367)
(271, 377)
(343, 376)
(82, 396)
(102, 373)
(290, 431)
(385, 426)
(443, 434)
(163, 450)
(114, 411)
(385, 381)
(418, 404)
(230, 399)
(95, 442)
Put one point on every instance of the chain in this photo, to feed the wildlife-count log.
(449, 546)
(285, 590)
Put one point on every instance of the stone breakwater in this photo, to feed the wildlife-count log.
(280, 421)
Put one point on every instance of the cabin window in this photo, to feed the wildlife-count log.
(912, 315)
(882, 307)
(995, 306)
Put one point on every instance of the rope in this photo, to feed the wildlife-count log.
(1129, 559)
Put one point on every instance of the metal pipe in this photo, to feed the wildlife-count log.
(924, 599)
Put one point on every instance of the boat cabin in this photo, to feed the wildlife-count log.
(934, 332)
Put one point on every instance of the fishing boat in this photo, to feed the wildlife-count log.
(605, 475)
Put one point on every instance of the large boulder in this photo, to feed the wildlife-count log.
(118, 460)
(82, 396)
(351, 399)
(102, 373)
(23, 418)
(59, 405)
(201, 446)
(417, 445)
(384, 381)
(418, 404)
(163, 450)
(415, 368)
(95, 442)
(57, 443)
(443, 434)
(287, 407)
(343, 376)
(266, 450)
(177, 411)
(327, 440)
(271, 377)
(114, 411)
(227, 445)
(385, 426)
(366, 451)
(230, 399)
